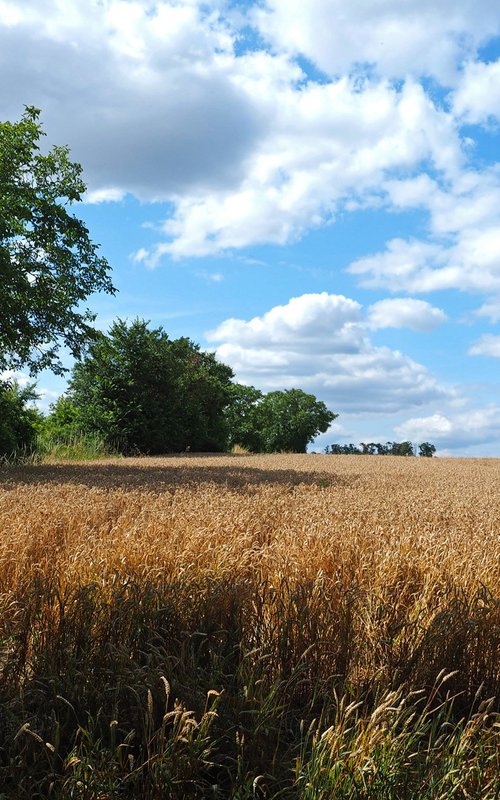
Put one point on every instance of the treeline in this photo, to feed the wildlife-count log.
(136, 391)
(426, 449)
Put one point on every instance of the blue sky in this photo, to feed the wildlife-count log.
(311, 188)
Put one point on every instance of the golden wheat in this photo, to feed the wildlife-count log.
(359, 574)
(405, 534)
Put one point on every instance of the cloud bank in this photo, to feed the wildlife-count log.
(321, 343)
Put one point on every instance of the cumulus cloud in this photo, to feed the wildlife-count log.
(477, 96)
(490, 309)
(162, 100)
(394, 38)
(327, 145)
(405, 312)
(487, 345)
(156, 101)
(464, 429)
(463, 248)
(312, 321)
(143, 92)
(320, 343)
(408, 265)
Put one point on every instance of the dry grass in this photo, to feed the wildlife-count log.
(291, 584)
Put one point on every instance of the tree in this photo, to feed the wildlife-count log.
(143, 392)
(426, 450)
(289, 420)
(241, 415)
(402, 449)
(62, 423)
(48, 264)
(372, 448)
(19, 419)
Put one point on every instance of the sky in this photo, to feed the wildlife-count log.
(308, 188)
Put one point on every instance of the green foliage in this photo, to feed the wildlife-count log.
(241, 416)
(376, 448)
(290, 420)
(19, 420)
(202, 387)
(81, 447)
(142, 392)
(426, 450)
(402, 449)
(48, 264)
(62, 423)
(285, 421)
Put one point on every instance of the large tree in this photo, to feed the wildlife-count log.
(142, 391)
(279, 421)
(48, 263)
(291, 419)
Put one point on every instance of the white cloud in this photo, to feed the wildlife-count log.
(403, 265)
(470, 200)
(397, 38)
(477, 97)
(143, 92)
(472, 264)
(463, 249)
(487, 345)
(458, 430)
(15, 376)
(44, 396)
(160, 100)
(211, 277)
(104, 195)
(327, 146)
(405, 312)
(490, 310)
(319, 342)
(312, 321)
(155, 102)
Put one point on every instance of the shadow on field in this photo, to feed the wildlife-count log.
(162, 477)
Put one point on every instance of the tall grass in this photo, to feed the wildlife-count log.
(250, 627)
(81, 447)
(47, 449)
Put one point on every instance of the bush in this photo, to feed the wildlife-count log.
(19, 420)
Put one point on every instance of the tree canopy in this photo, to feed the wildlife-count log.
(377, 448)
(19, 420)
(279, 421)
(48, 263)
(144, 392)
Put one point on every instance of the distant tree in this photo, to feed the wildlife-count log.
(19, 419)
(48, 264)
(289, 420)
(372, 448)
(143, 392)
(343, 450)
(402, 449)
(426, 450)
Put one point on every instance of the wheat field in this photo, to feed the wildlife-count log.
(250, 626)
